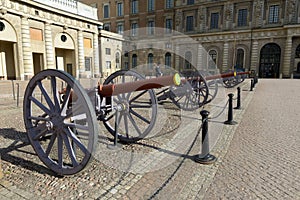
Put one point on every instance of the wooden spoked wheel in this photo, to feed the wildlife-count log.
(137, 110)
(190, 95)
(60, 121)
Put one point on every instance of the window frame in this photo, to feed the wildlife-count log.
(104, 11)
(188, 22)
(134, 6)
(120, 9)
(214, 20)
(274, 14)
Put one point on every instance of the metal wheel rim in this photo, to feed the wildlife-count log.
(128, 118)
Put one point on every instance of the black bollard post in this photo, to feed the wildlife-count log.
(251, 85)
(205, 157)
(230, 111)
(238, 103)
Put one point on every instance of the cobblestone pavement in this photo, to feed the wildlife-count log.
(257, 161)
(263, 159)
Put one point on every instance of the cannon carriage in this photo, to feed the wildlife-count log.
(61, 117)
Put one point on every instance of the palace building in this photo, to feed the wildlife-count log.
(48, 34)
(261, 35)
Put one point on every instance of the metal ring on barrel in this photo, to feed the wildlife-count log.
(60, 121)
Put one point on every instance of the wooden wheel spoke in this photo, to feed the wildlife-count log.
(42, 133)
(40, 105)
(126, 126)
(139, 116)
(51, 143)
(134, 124)
(45, 94)
(54, 90)
(74, 139)
(60, 150)
(70, 150)
(137, 96)
(66, 100)
(141, 106)
(76, 126)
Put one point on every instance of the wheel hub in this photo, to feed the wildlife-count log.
(56, 122)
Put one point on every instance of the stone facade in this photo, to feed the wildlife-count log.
(37, 35)
(261, 35)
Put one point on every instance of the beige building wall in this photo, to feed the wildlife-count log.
(260, 28)
(35, 36)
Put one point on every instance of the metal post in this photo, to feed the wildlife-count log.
(13, 89)
(205, 157)
(230, 111)
(251, 85)
(116, 145)
(18, 95)
(238, 103)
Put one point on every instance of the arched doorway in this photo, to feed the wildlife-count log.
(269, 61)
(65, 53)
(8, 49)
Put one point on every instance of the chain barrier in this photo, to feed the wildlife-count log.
(218, 115)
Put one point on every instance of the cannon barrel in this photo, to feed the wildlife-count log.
(144, 84)
(226, 75)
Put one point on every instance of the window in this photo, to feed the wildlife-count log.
(169, 25)
(189, 23)
(120, 9)
(169, 4)
(150, 61)
(190, 2)
(106, 27)
(107, 51)
(117, 60)
(150, 5)
(35, 34)
(188, 60)
(151, 27)
(274, 14)
(106, 11)
(213, 59)
(134, 7)
(87, 63)
(242, 17)
(134, 27)
(120, 28)
(108, 65)
(134, 60)
(87, 43)
(168, 59)
(214, 21)
(240, 59)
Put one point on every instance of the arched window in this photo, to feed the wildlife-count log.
(150, 60)
(213, 59)
(168, 59)
(240, 56)
(188, 60)
(117, 60)
(134, 60)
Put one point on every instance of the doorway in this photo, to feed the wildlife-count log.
(270, 61)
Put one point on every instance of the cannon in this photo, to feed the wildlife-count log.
(199, 88)
(61, 118)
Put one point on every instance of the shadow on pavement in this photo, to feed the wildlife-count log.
(15, 154)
